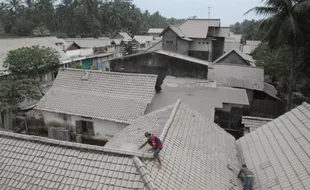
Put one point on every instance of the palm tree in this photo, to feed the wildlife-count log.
(41, 31)
(286, 23)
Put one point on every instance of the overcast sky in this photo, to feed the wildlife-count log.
(229, 11)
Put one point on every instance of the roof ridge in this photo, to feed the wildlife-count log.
(144, 174)
(74, 145)
(169, 122)
(257, 118)
(109, 72)
(306, 104)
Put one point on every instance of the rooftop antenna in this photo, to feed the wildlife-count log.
(209, 11)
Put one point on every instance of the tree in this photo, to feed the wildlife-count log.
(286, 23)
(32, 62)
(41, 31)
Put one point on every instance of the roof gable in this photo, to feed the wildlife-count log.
(247, 58)
(119, 97)
(278, 152)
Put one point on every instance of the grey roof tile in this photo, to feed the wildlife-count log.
(112, 96)
(238, 76)
(253, 123)
(282, 149)
(198, 28)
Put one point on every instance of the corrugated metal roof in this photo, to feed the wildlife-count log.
(155, 30)
(279, 152)
(223, 32)
(7, 45)
(90, 43)
(271, 90)
(198, 28)
(118, 97)
(125, 35)
(238, 76)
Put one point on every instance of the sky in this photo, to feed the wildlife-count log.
(229, 11)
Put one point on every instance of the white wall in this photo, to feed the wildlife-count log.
(103, 129)
(200, 45)
(79, 52)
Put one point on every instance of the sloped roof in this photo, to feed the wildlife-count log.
(238, 76)
(279, 152)
(253, 123)
(124, 35)
(223, 32)
(247, 58)
(118, 97)
(177, 31)
(250, 46)
(143, 39)
(198, 28)
(7, 45)
(199, 94)
(155, 30)
(157, 46)
(90, 43)
(196, 151)
(271, 90)
(29, 162)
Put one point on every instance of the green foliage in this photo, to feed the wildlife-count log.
(249, 29)
(76, 65)
(32, 61)
(14, 90)
(87, 18)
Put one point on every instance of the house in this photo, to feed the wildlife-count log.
(196, 155)
(205, 97)
(97, 103)
(7, 45)
(278, 152)
(200, 38)
(144, 41)
(123, 35)
(262, 96)
(253, 123)
(250, 46)
(155, 32)
(236, 57)
(161, 63)
(233, 41)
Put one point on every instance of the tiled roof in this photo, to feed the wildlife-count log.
(125, 35)
(196, 151)
(245, 57)
(198, 28)
(90, 43)
(279, 152)
(7, 45)
(143, 39)
(155, 30)
(119, 97)
(238, 76)
(199, 94)
(253, 123)
(39, 163)
(223, 32)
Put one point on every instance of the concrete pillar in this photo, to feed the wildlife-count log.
(7, 120)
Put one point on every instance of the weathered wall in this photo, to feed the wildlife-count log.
(103, 129)
(182, 46)
(160, 65)
(170, 41)
(234, 59)
(200, 45)
(204, 55)
(217, 48)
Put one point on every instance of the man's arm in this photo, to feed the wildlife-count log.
(142, 145)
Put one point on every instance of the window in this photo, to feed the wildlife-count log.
(171, 42)
(203, 43)
(199, 42)
(167, 42)
(207, 43)
(85, 128)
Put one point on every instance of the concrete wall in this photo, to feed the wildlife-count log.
(200, 45)
(182, 46)
(170, 40)
(217, 48)
(233, 59)
(103, 129)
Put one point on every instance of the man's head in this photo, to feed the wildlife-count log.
(244, 166)
(148, 135)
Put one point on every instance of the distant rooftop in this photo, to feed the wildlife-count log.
(155, 30)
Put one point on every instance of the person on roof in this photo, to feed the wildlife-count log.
(155, 143)
(247, 177)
